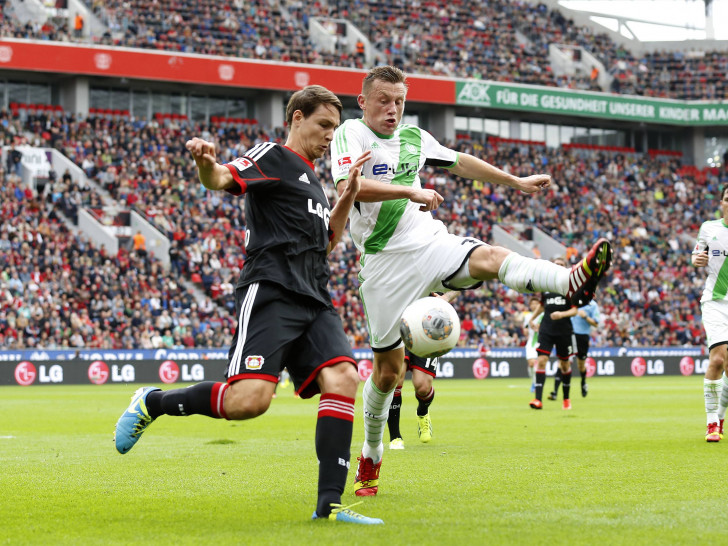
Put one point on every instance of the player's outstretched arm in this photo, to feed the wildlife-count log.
(212, 175)
(374, 191)
(348, 191)
(469, 166)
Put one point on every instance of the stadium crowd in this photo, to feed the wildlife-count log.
(498, 40)
(651, 297)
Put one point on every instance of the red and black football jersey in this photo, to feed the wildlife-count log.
(551, 302)
(287, 220)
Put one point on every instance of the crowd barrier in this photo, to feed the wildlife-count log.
(85, 367)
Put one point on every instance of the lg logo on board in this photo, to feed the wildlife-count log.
(25, 373)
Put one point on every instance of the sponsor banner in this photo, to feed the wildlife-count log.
(103, 372)
(359, 354)
(520, 352)
(65, 58)
(548, 100)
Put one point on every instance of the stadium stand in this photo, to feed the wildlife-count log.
(499, 40)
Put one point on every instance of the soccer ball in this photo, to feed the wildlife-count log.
(429, 327)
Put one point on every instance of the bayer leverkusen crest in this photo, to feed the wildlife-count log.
(254, 362)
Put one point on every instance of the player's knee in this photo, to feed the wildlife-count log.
(423, 390)
(387, 378)
(485, 261)
(717, 363)
(342, 379)
(422, 385)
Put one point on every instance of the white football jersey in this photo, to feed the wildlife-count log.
(396, 225)
(532, 341)
(713, 237)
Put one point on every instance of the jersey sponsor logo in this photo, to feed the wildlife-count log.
(304, 178)
(319, 210)
(254, 362)
(403, 168)
(241, 163)
(346, 160)
(555, 300)
(719, 252)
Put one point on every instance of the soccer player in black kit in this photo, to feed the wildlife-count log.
(284, 310)
(555, 331)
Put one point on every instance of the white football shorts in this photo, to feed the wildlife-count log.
(531, 352)
(390, 281)
(715, 321)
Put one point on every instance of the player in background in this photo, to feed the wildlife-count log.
(423, 371)
(531, 323)
(586, 318)
(285, 314)
(407, 254)
(556, 332)
(710, 251)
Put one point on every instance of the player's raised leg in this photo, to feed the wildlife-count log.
(524, 274)
(148, 403)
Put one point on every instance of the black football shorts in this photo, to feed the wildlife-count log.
(278, 328)
(562, 342)
(427, 365)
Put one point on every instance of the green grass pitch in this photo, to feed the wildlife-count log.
(628, 465)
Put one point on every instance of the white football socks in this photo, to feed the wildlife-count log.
(723, 403)
(712, 391)
(376, 411)
(529, 275)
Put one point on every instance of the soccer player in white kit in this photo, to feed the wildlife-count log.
(710, 251)
(407, 254)
(531, 323)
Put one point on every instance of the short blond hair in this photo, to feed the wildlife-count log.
(385, 73)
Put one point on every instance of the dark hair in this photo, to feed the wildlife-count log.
(308, 99)
(722, 194)
(386, 73)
